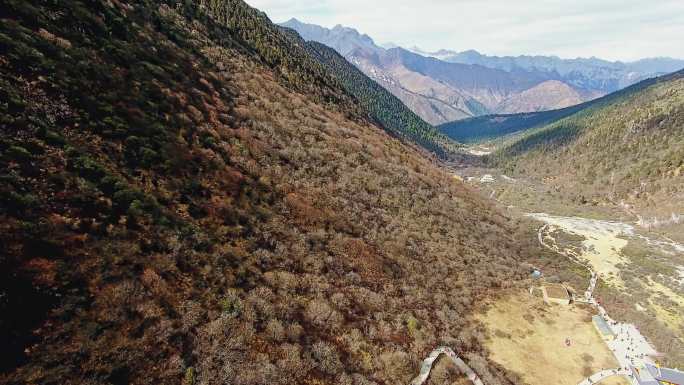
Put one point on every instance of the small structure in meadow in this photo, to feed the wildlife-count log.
(556, 293)
(487, 178)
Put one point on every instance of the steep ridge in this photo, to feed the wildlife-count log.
(384, 107)
(345, 40)
(433, 101)
(483, 82)
(188, 197)
(626, 147)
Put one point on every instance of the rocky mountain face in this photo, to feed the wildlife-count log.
(551, 92)
(343, 39)
(440, 91)
(445, 86)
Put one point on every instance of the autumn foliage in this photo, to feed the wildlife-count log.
(179, 204)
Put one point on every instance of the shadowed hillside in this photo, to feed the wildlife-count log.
(188, 197)
(488, 127)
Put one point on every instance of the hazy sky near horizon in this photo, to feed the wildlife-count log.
(609, 29)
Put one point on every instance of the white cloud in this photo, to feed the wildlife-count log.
(611, 29)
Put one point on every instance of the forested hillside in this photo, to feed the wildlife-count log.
(187, 197)
(384, 107)
(628, 146)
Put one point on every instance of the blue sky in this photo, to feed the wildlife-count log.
(610, 29)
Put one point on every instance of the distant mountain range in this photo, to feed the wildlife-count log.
(590, 73)
(446, 86)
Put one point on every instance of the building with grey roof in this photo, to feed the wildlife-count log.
(603, 328)
(653, 375)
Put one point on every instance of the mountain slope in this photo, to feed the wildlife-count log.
(628, 146)
(429, 99)
(551, 92)
(188, 197)
(382, 105)
(436, 90)
(433, 101)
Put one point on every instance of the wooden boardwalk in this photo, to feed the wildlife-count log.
(602, 375)
(426, 367)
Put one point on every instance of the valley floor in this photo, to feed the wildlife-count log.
(641, 270)
(529, 337)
